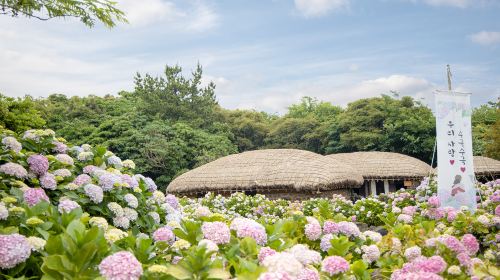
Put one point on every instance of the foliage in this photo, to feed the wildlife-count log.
(87, 11)
(19, 114)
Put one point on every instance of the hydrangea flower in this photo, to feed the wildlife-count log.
(308, 274)
(274, 276)
(370, 253)
(67, 205)
(130, 181)
(130, 213)
(4, 213)
(94, 192)
(412, 253)
(155, 216)
(12, 144)
(82, 180)
(131, 200)
(85, 156)
(112, 235)
(115, 208)
(164, 234)
(14, 249)
(312, 229)
(325, 244)
(115, 161)
(284, 263)
(62, 172)
(265, 252)
(33, 196)
(120, 266)
(39, 164)
(172, 201)
(14, 169)
(128, 164)
(249, 228)
(334, 265)
(108, 181)
(36, 243)
(304, 255)
(349, 229)
(218, 232)
(470, 243)
(99, 222)
(330, 227)
(65, 159)
(59, 147)
(209, 244)
(121, 222)
(407, 219)
(48, 181)
(434, 201)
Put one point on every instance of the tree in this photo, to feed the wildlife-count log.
(87, 11)
(483, 119)
(175, 97)
(19, 114)
(384, 124)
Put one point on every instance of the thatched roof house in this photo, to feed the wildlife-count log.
(283, 173)
(486, 167)
(384, 171)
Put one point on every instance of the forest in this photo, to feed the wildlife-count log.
(172, 123)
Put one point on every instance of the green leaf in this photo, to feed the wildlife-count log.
(179, 272)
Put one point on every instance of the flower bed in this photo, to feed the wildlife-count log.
(81, 212)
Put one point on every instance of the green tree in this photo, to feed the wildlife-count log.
(175, 97)
(19, 114)
(384, 124)
(87, 11)
(483, 119)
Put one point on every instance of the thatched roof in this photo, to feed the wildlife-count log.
(384, 165)
(485, 166)
(272, 170)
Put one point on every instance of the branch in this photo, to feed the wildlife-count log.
(15, 12)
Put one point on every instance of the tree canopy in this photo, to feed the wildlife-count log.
(87, 11)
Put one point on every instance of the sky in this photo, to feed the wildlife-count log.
(265, 54)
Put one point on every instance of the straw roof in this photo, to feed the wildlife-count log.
(385, 165)
(272, 170)
(484, 166)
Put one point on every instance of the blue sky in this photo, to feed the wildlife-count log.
(265, 55)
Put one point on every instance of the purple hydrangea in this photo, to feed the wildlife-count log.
(129, 180)
(120, 266)
(308, 274)
(14, 169)
(349, 229)
(67, 205)
(312, 229)
(39, 164)
(265, 252)
(108, 180)
(172, 201)
(330, 227)
(59, 147)
(218, 232)
(89, 169)
(151, 185)
(14, 249)
(164, 234)
(48, 181)
(249, 228)
(33, 196)
(94, 192)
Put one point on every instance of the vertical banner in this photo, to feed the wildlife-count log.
(456, 180)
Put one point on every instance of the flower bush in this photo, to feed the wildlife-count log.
(80, 212)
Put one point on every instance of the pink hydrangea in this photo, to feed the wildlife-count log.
(82, 180)
(59, 147)
(89, 169)
(312, 229)
(265, 252)
(120, 266)
(39, 164)
(398, 275)
(14, 169)
(94, 192)
(308, 274)
(412, 253)
(249, 228)
(218, 232)
(453, 244)
(129, 180)
(334, 265)
(409, 210)
(67, 205)
(451, 215)
(14, 249)
(370, 253)
(434, 201)
(330, 227)
(33, 196)
(464, 259)
(497, 210)
(470, 243)
(48, 181)
(164, 234)
(275, 276)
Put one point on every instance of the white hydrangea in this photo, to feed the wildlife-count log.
(37, 243)
(283, 262)
(115, 208)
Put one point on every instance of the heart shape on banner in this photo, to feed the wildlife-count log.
(462, 169)
(452, 161)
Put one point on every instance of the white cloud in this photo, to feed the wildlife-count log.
(318, 8)
(452, 3)
(486, 38)
(140, 13)
(197, 16)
